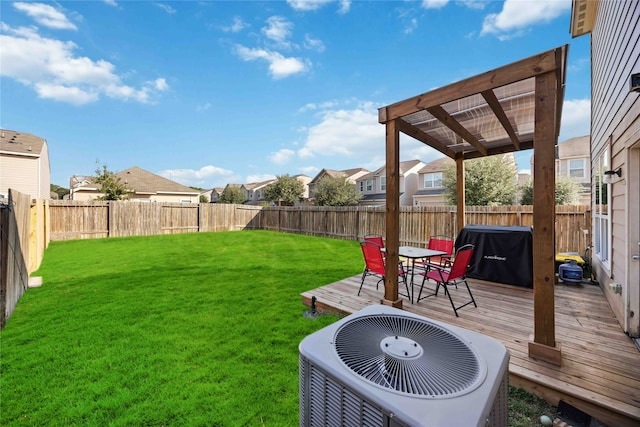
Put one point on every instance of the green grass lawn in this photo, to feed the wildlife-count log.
(187, 329)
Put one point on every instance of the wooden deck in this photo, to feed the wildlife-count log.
(600, 372)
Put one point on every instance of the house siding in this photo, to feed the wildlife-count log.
(615, 124)
(18, 173)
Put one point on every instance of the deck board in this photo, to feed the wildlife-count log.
(600, 372)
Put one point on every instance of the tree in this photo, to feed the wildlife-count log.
(489, 181)
(336, 191)
(60, 191)
(110, 185)
(285, 190)
(232, 194)
(566, 192)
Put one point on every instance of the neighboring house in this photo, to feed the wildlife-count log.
(305, 180)
(233, 186)
(214, 194)
(350, 174)
(615, 151)
(373, 186)
(573, 162)
(254, 192)
(143, 186)
(430, 190)
(24, 164)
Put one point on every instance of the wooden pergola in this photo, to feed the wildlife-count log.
(514, 107)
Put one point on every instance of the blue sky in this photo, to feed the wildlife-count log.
(214, 92)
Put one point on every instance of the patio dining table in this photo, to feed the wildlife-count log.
(413, 253)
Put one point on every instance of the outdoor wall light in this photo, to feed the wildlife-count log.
(608, 175)
(635, 82)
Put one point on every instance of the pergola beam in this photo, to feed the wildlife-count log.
(493, 102)
(520, 70)
(446, 119)
(424, 137)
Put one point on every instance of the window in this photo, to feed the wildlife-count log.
(383, 183)
(361, 186)
(576, 168)
(369, 185)
(601, 211)
(433, 180)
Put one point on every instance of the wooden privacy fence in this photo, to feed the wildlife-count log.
(14, 245)
(26, 227)
(82, 220)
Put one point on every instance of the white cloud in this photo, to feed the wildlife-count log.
(576, 119)
(313, 44)
(345, 5)
(282, 157)
(46, 15)
(310, 170)
(313, 106)
(410, 28)
(351, 133)
(278, 29)
(259, 178)
(518, 14)
(51, 68)
(160, 84)
(279, 65)
(311, 5)
(110, 2)
(203, 107)
(434, 4)
(205, 177)
(165, 7)
(237, 25)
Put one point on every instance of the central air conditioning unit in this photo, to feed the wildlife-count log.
(387, 367)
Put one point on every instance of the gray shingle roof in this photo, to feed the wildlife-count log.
(21, 143)
(142, 181)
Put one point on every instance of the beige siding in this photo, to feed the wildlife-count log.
(615, 56)
(19, 173)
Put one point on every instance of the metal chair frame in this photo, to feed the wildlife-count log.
(450, 276)
(375, 265)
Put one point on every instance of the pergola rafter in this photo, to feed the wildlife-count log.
(514, 107)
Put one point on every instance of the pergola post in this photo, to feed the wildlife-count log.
(461, 220)
(543, 345)
(392, 215)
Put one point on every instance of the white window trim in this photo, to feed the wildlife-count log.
(581, 168)
(432, 181)
(383, 183)
(601, 233)
(369, 185)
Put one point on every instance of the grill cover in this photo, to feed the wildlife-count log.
(502, 254)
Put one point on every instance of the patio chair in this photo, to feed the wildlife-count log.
(446, 277)
(439, 243)
(374, 265)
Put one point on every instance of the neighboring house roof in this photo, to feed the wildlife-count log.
(19, 143)
(429, 192)
(437, 165)
(574, 147)
(140, 181)
(404, 167)
(348, 173)
(374, 197)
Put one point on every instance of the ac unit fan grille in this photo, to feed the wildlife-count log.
(409, 356)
